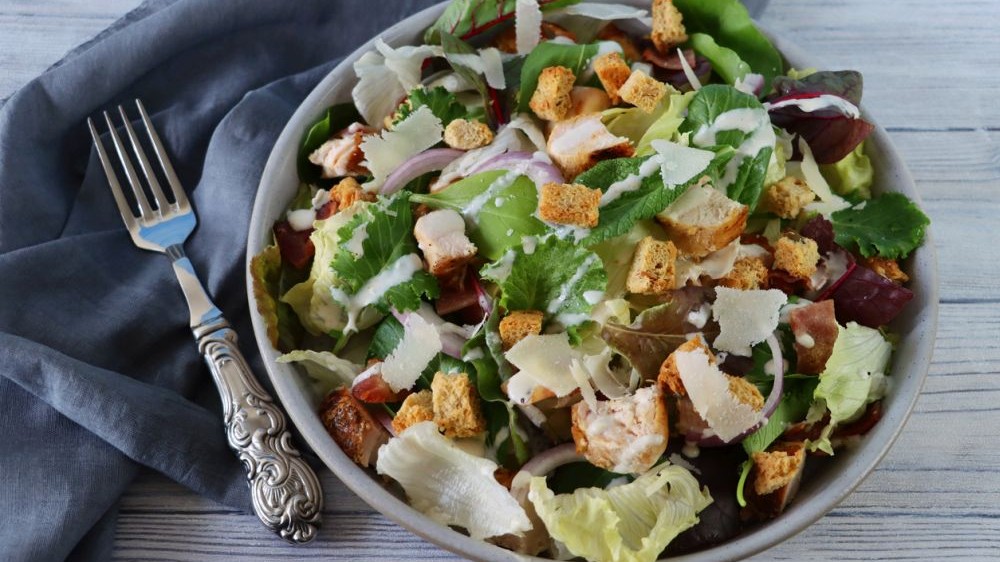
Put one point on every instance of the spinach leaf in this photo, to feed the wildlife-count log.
(502, 213)
(546, 54)
(336, 118)
(725, 62)
(466, 18)
(729, 23)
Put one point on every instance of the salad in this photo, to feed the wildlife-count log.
(588, 280)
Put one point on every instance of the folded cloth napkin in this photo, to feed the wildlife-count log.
(99, 374)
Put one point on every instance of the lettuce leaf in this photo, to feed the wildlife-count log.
(442, 103)
(852, 175)
(729, 23)
(467, 18)
(629, 523)
(499, 217)
(329, 370)
(725, 62)
(546, 54)
(558, 278)
(889, 225)
(283, 328)
(667, 124)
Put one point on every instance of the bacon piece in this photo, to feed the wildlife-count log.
(295, 247)
(373, 389)
(352, 426)
(815, 328)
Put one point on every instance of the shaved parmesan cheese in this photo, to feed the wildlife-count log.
(378, 90)
(493, 68)
(385, 152)
(708, 389)
(678, 163)
(602, 11)
(527, 25)
(407, 61)
(543, 361)
(829, 202)
(692, 78)
(419, 345)
(715, 265)
(745, 318)
(449, 485)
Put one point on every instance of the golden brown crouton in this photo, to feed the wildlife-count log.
(746, 274)
(776, 469)
(564, 203)
(349, 192)
(416, 408)
(796, 254)
(587, 100)
(887, 268)
(652, 271)
(351, 425)
(578, 144)
(519, 324)
(745, 392)
(703, 220)
(669, 378)
(613, 72)
(551, 100)
(668, 25)
(612, 32)
(787, 197)
(456, 405)
(624, 435)
(466, 135)
(643, 91)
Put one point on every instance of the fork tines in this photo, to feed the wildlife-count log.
(146, 210)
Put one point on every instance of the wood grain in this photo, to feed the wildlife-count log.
(931, 78)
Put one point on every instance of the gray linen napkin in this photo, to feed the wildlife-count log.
(99, 374)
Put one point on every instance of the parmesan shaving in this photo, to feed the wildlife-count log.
(527, 25)
(387, 151)
(708, 389)
(419, 345)
(745, 318)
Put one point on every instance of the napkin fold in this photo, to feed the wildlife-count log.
(99, 374)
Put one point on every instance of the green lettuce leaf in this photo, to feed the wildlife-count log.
(889, 225)
(629, 523)
(546, 54)
(666, 126)
(725, 62)
(283, 327)
(503, 216)
(388, 227)
(329, 370)
(852, 175)
(558, 278)
(633, 122)
(466, 18)
(616, 253)
(335, 118)
(729, 23)
(442, 103)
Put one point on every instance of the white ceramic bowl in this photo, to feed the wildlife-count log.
(818, 495)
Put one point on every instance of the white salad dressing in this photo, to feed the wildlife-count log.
(356, 244)
(631, 182)
(805, 340)
(471, 211)
(301, 219)
(399, 271)
(568, 289)
(746, 120)
(819, 103)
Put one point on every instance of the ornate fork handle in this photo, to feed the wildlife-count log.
(284, 489)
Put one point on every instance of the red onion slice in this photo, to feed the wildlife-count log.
(777, 370)
(430, 160)
(538, 171)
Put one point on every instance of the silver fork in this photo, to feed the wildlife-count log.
(285, 491)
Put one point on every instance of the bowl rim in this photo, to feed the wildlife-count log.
(908, 379)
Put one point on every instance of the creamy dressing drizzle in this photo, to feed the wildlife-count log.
(356, 244)
(633, 181)
(399, 271)
(568, 289)
(745, 120)
(819, 103)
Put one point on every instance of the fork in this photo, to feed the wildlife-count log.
(285, 492)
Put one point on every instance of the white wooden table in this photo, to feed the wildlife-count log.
(932, 77)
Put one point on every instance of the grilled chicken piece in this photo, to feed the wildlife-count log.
(576, 145)
(624, 435)
(357, 432)
(773, 481)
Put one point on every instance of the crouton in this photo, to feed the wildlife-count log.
(352, 426)
(643, 91)
(612, 32)
(342, 154)
(573, 204)
(787, 197)
(774, 480)
(652, 271)
(587, 100)
(625, 435)
(347, 193)
(815, 329)
(577, 144)
(467, 135)
(551, 100)
(613, 72)
(887, 268)
(746, 274)
(703, 220)
(441, 237)
(746, 392)
(668, 26)
(506, 41)
(456, 405)
(669, 378)
(796, 254)
(518, 324)
(416, 408)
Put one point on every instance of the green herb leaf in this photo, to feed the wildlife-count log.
(555, 279)
(795, 401)
(889, 225)
(389, 236)
(387, 336)
(466, 18)
(546, 54)
(336, 118)
(503, 217)
(725, 62)
(442, 103)
(729, 23)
